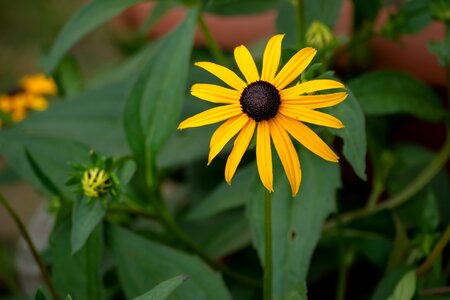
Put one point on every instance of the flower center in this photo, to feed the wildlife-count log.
(260, 100)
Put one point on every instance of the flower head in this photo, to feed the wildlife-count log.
(96, 182)
(264, 105)
(38, 84)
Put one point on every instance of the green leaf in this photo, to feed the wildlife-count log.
(85, 217)
(54, 154)
(68, 76)
(91, 15)
(78, 275)
(225, 196)
(160, 8)
(239, 7)
(325, 11)
(125, 171)
(405, 288)
(297, 222)
(390, 92)
(354, 133)
(388, 284)
(40, 295)
(299, 293)
(154, 103)
(163, 290)
(45, 180)
(142, 264)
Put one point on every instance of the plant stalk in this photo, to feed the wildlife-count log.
(437, 250)
(301, 23)
(416, 185)
(267, 245)
(31, 246)
(212, 44)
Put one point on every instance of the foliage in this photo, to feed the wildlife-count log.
(164, 226)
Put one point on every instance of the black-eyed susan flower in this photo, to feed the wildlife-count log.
(265, 105)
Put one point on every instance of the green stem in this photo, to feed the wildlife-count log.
(213, 46)
(437, 250)
(31, 245)
(301, 23)
(267, 245)
(416, 185)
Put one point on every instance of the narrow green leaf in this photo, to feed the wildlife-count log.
(405, 288)
(225, 197)
(163, 290)
(354, 133)
(142, 264)
(299, 293)
(125, 171)
(239, 7)
(390, 92)
(45, 180)
(91, 15)
(297, 222)
(154, 103)
(78, 275)
(84, 220)
(160, 8)
(40, 295)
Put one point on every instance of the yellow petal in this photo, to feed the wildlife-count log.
(309, 116)
(294, 67)
(212, 116)
(224, 74)
(271, 59)
(240, 145)
(264, 155)
(316, 101)
(307, 138)
(215, 93)
(246, 64)
(288, 155)
(311, 86)
(37, 103)
(224, 133)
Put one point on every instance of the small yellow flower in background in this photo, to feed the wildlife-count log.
(265, 104)
(28, 96)
(38, 84)
(96, 182)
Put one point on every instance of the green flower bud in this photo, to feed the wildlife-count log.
(96, 182)
(319, 35)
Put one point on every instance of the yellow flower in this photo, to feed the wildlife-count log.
(5, 103)
(267, 105)
(38, 84)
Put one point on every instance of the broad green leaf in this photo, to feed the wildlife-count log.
(326, 11)
(390, 92)
(53, 155)
(154, 103)
(405, 288)
(239, 7)
(68, 76)
(91, 15)
(92, 118)
(142, 264)
(299, 293)
(85, 217)
(225, 197)
(297, 222)
(354, 133)
(163, 290)
(78, 275)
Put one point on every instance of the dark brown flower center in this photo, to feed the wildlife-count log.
(260, 100)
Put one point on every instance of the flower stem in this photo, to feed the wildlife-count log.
(267, 245)
(437, 250)
(416, 185)
(31, 245)
(301, 23)
(213, 46)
